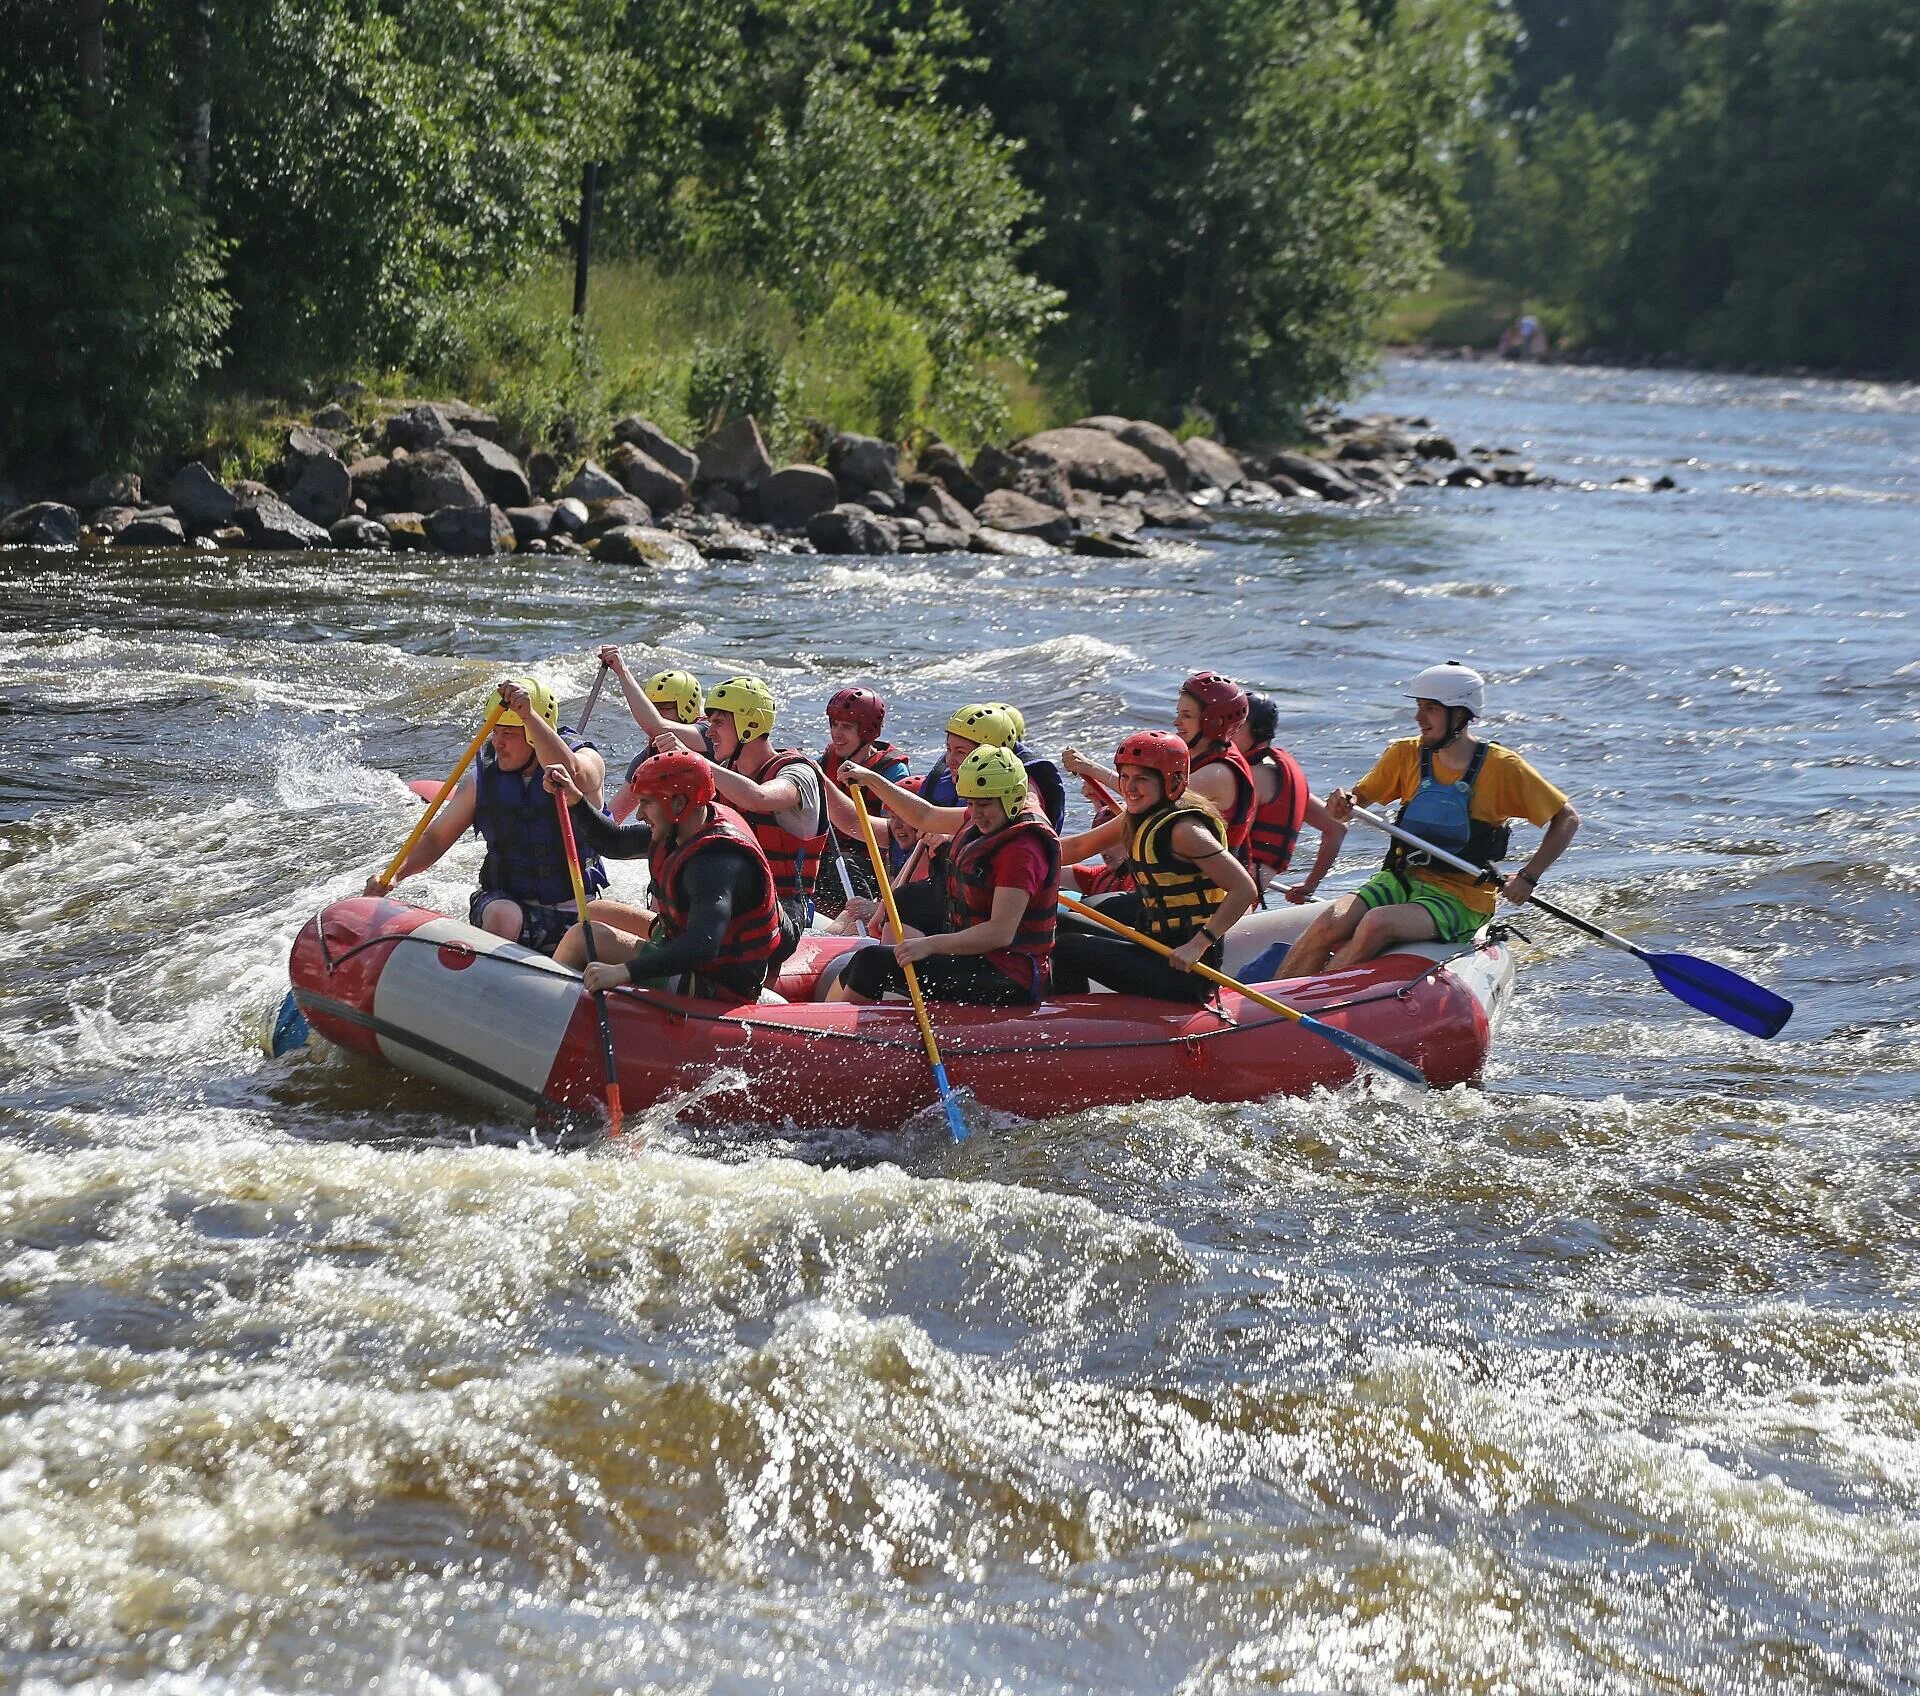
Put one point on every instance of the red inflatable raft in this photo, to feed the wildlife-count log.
(505, 1026)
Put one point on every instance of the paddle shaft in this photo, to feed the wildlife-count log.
(593, 699)
(586, 931)
(954, 1122)
(434, 806)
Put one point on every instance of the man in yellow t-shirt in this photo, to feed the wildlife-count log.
(1456, 792)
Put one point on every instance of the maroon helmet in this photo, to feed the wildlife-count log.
(1222, 703)
(861, 708)
(1161, 751)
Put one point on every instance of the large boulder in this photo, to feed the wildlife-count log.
(1160, 446)
(1015, 514)
(641, 474)
(851, 529)
(641, 544)
(931, 500)
(735, 457)
(592, 483)
(622, 510)
(319, 486)
(796, 493)
(1210, 466)
(1006, 545)
(1092, 459)
(570, 516)
(939, 460)
(471, 530)
(1101, 421)
(531, 523)
(1324, 480)
(108, 522)
(864, 465)
(407, 531)
(110, 488)
(374, 482)
(499, 476)
(420, 428)
(151, 530)
(271, 524)
(435, 479)
(362, 535)
(201, 501)
(658, 446)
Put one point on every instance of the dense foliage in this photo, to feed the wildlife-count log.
(1728, 180)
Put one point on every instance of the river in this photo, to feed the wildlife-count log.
(1604, 1377)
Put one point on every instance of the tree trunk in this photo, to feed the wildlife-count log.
(91, 16)
(198, 87)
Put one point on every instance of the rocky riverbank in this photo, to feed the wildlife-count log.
(436, 476)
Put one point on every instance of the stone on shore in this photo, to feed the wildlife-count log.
(659, 447)
(1173, 512)
(202, 501)
(270, 524)
(110, 488)
(1323, 479)
(939, 460)
(319, 486)
(1104, 544)
(944, 539)
(1212, 466)
(435, 479)
(419, 428)
(1160, 446)
(929, 498)
(107, 523)
(374, 479)
(1009, 511)
(407, 531)
(471, 530)
(362, 535)
(1092, 459)
(333, 416)
(622, 511)
(592, 483)
(640, 544)
(570, 516)
(151, 530)
(498, 474)
(864, 465)
(641, 474)
(1107, 421)
(530, 523)
(1006, 545)
(851, 528)
(734, 457)
(795, 494)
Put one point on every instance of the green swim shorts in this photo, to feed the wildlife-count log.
(1453, 919)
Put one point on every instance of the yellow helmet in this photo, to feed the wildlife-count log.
(677, 689)
(751, 703)
(992, 774)
(1014, 713)
(538, 694)
(988, 725)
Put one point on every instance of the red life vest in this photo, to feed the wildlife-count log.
(969, 867)
(793, 858)
(1239, 816)
(752, 936)
(1096, 877)
(882, 757)
(1276, 823)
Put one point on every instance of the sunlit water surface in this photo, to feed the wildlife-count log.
(1602, 1378)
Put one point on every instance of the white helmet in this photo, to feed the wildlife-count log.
(1452, 685)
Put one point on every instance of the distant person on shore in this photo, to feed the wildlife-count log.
(526, 890)
(1456, 792)
(1524, 338)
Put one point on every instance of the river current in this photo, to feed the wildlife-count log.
(1603, 1377)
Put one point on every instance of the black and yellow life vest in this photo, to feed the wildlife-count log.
(1176, 896)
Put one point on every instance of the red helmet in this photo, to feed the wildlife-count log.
(862, 709)
(1161, 751)
(676, 774)
(1222, 703)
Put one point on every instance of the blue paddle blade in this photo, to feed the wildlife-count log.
(955, 1123)
(1367, 1053)
(1724, 994)
(290, 1029)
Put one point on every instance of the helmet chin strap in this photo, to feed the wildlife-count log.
(1454, 728)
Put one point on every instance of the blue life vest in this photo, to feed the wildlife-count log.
(526, 855)
(1441, 813)
(1047, 783)
(938, 790)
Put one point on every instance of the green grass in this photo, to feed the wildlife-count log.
(1457, 309)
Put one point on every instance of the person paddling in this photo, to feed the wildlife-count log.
(980, 725)
(1048, 785)
(855, 718)
(1458, 793)
(716, 930)
(1188, 889)
(982, 930)
(1206, 714)
(669, 699)
(1282, 805)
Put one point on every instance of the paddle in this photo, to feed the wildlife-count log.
(955, 1123)
(1721, 993)
(1367, 1053)
(593, 699)
(586, 931)
(290, 1029)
